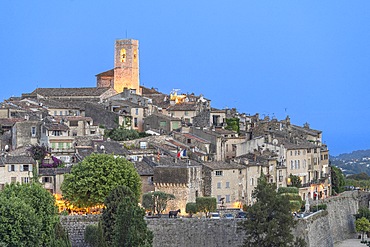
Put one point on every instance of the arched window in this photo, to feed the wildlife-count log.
(122, 55)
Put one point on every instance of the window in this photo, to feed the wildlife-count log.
(227, 199)
(2, 186)
(162, 124)
(47, 179)
(291, 153)
(25, 168)
(291, 164)
(13, 179)
(219, 185)
(11, 168)
(218, 199)
(308, 151)
(218, 173)
(73, 123)
(25, 180)
(150, 180)
(66, 113)
(137, 111)
(74, 133)
(68, 145)
(186, 113)
(53, 145)
(61, 113)
(123, 55)
(135, 122)
(33, 131)
(252, 181)
(60, 145)
(55, 113)
(56, 133)
(227, 185)
(189, 141)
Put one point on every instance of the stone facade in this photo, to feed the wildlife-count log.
(126, 65)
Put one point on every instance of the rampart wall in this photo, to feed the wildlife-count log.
(319, 230)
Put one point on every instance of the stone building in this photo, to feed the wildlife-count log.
(126, 68)
(226, 182)
(163, 123)
(16, 169)
(183, 179)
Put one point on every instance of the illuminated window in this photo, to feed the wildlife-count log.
(123, 55)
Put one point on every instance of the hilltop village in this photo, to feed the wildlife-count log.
(193, 149)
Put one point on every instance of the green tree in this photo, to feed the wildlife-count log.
(91, 181)
(19, 224)
(191, 208)
(362, 225)
(111, 206)
(156, 201)
(94, 235)
(337, 180)
(232, 124)
(122, 134)
(130, 227)
(363, 212)
(44, 209)
(269, 220)
(291, 194)
(295, 181)
(206, 204)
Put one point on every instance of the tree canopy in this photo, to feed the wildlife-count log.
(362, 225)
(206, 204)
(31, 204)
(269, 219)
(337, 179)
(156, 201)
(91, 181)
(295, 181)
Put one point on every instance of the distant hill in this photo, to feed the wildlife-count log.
(353, 163)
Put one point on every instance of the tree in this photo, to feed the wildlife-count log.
(191, 208)
(233, 124)
(363, 212)
(206, 204)
(362, 225)
(291, 194)
(156, 201)
(122, 134)
(123, 221)
(295, 181)
(91, 181)
(337, 179)
(130, 227)
(269, 220)
(38, 152)
(19, 224)
(43, 208)
(111, 206)
(94, 235)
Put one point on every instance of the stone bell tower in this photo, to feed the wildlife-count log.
(126, 65)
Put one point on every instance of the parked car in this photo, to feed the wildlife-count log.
(214, 215)
(241, 214)
(228, 216)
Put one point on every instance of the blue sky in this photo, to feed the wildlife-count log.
(306, 59)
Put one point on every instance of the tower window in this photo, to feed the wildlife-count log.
(123, 55)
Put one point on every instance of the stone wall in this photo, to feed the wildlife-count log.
(75, 226)
(322, 229)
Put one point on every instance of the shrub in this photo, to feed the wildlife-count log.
(283, 190)
(94, 235)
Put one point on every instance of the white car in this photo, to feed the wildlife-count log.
(214, 215)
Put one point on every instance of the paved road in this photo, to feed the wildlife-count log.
(350, 243)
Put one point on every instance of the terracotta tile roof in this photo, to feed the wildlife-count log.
(56, 126)
(219, 165)
(188, 106)
(143, 168)
(109, 73)
(10, 121)
(55, 92)
(23, 159)
(197, 138)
